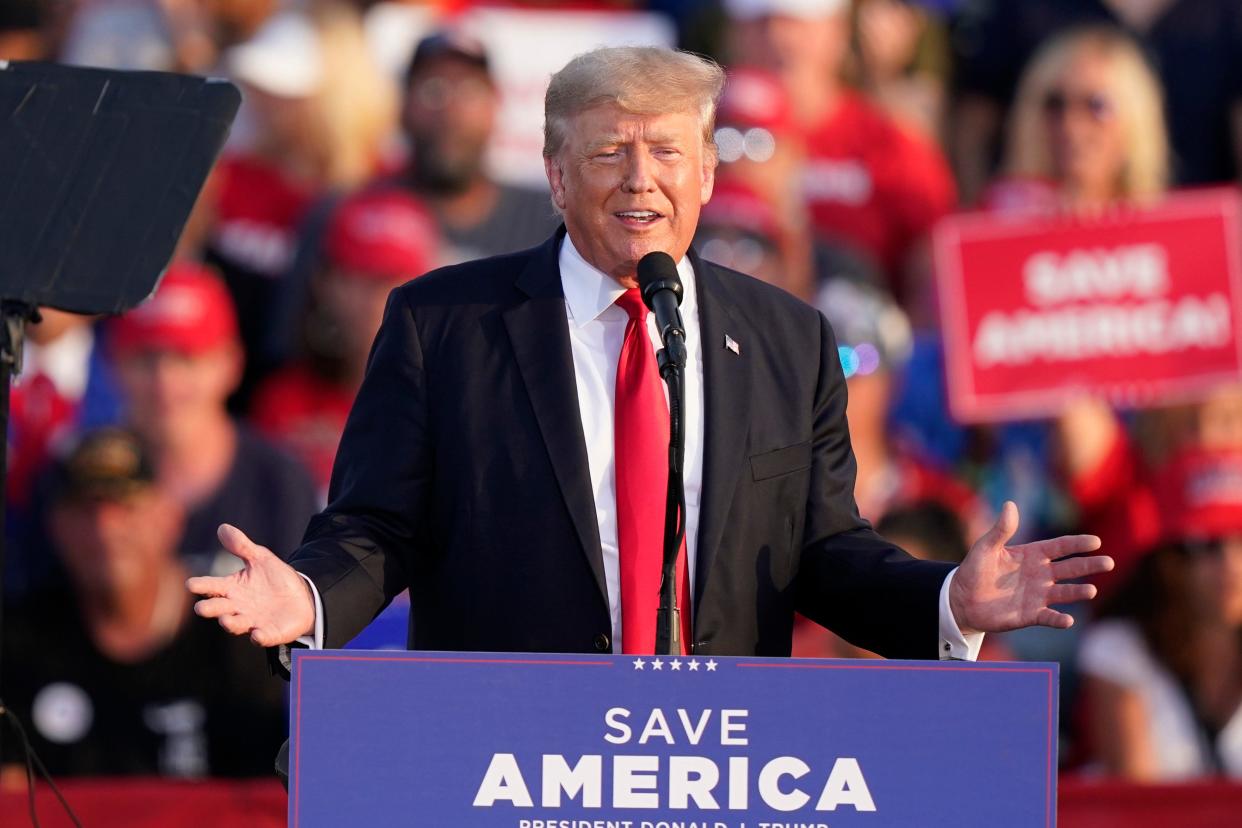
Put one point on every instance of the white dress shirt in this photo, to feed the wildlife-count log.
(596, 332)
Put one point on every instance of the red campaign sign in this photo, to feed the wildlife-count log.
(1142, 306)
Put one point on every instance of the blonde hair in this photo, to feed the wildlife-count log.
(644, 80)
(354, 114)
(1137, 96)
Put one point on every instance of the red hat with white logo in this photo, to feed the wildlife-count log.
(382, 233)
(191, 312)
(755, 98)
(1200, 495)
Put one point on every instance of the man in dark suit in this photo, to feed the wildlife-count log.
(502, 458)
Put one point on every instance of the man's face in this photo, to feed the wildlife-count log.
(793, 47)
(112, 544)
(355, 302)
(171, 393)
(449, 114)
(631, 184)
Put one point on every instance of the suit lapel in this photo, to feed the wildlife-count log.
(539, 332)
(726, 403)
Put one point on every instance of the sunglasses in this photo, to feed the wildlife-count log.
(1057, 104)
(756, 144)
(1204, 548)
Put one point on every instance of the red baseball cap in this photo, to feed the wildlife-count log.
(191, 312)
(383, 233)
(755, 98)
(1200, 495)
(735, 204)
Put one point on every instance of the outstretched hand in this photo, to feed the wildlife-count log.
(999, 587)
(267, 599)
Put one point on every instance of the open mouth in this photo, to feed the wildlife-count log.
(638, 218)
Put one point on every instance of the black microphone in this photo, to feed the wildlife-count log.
(661, 290)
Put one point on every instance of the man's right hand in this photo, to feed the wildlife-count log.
(267, 600)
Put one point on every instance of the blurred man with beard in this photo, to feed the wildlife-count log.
(448, 115)
(111, 671)
(375, 240)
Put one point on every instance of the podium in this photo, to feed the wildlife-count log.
(585, 741)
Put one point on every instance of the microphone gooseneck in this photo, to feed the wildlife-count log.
(660, 285)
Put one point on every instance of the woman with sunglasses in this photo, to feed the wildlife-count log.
(1163, 664)
(1087, 129)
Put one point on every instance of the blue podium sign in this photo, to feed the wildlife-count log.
(581, 741)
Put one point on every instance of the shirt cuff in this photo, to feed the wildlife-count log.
(315, 640)
(954, 646)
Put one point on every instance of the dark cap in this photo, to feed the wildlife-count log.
(448, 43)
(106, 464)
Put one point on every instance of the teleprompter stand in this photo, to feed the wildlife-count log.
(99, 170)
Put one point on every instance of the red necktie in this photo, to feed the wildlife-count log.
(641, 442)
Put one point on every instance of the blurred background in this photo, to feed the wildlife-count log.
(379, 140)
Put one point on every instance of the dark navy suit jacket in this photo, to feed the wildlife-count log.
(462, 474)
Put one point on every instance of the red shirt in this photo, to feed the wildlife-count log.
(40, 415)
(258, 209)
(305, 414)
(872, 184)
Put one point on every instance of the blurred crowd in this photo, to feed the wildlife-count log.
(361, 160)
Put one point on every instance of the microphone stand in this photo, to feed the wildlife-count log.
(668, 616)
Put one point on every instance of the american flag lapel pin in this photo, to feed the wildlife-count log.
(731, 345)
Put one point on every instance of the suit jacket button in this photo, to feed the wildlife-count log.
(603, 643)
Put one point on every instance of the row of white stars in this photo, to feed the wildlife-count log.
(675, 664)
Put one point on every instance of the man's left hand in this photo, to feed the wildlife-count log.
(999, 587)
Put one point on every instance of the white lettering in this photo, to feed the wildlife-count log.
(694, 734)
(728, 727)
(614, 718)
(1066, 334)
(845, 786)
(503, 781)
(586, 778)
(692, 777)
(739, 782)
(657, 725)
(1139, 271)
(769, 783)
(632, 777)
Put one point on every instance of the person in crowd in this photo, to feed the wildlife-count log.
(23, 34)
(902, 61)
(114, 674)
(67, 384)
(741, 230)
(320, 117)
(376, 239)
(1163, 663)
(758, 221)
(178, 358)
(1108, 464)
(1196, 45)
(874, 342)
(1087, 133)
(1087, 129)
(448, 115)
(870, 183)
